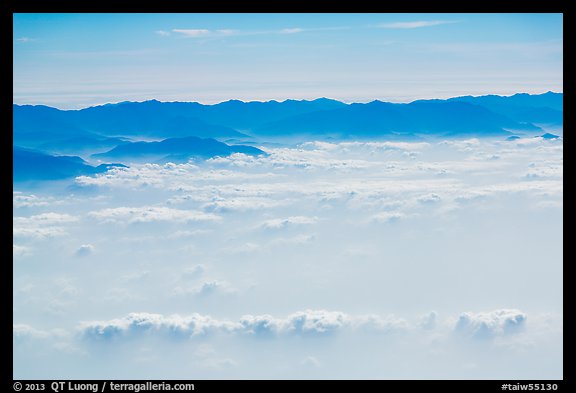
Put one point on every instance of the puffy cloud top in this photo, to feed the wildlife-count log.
(150, 214)
(490, 324)
(309, 322)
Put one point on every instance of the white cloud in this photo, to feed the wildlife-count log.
(296, 230)
(193, 233)
(388, 217)
(293, 30)
(38, 232)
(497, 323)
(279, 223)
(309, 322)
(20, 200)
(84, 250)
(323, 342)
(150, 214)
(46, 219)
(429, 321)
(194, 271)
(490, 324)
(315, 322)
(25, 40)
(192, 33)
(22, 331)
(367, 176)
(405, 146)
(429, 198)
(465, 145)
(142, 323)
(415, 24)
(292, 241)
(203, 33)
(205, 289)
(41, 226)
(227, 31)
(162, 33)
(242, 204)
(209, 287)
(261, 325)
(20, 251)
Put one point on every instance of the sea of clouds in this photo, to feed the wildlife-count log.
(323, 260)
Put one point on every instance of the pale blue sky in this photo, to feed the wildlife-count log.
(77, 60)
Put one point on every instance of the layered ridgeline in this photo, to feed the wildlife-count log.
(31, 165)
(154, 131)
(175, 150)
(104, 126)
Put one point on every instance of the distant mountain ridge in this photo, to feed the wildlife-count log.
(37, 125)
(546, 109)
(377, 119)
(154, 131)
(176, 150)
(466, 115)
(30, 165)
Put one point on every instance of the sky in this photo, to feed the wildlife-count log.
(78, 60)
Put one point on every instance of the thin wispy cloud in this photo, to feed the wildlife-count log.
(193, 33)
(162, 33)
(416, 24)
(206, 33)
(293, 30)
(227, 31)
(25, 40)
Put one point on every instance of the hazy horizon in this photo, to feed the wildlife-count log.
(88, 59)
(284, 99)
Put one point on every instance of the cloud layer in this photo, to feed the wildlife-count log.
(199, 269)
(305, 344)
(477, 326)
(309, 322)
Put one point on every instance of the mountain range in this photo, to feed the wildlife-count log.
(31, 165)
(44, 138)
(235, 120)
(175, 150)
(544, 109)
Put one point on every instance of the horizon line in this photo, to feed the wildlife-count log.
(287, 99)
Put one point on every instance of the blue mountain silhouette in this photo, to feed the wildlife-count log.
(545, 109)
(176, 150)
(80, 144)
(549, 136)
(194, 130)
(378, 118)
(33, 165)
(36, 126)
